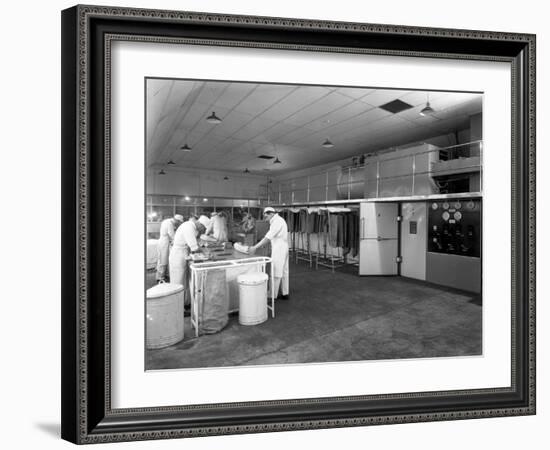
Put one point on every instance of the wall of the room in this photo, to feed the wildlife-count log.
(205, 183)
(324, 174)
(440, 141)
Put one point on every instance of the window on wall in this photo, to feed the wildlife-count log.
(239, 213)
(160, 207)
(206, 210)
(159, 213)
(185, 211)
(256, 213)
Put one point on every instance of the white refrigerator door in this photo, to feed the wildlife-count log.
(378, 232)
(413, 240)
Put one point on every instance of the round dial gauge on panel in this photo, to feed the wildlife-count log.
(434, 206)
(445, 215)
(470, 205)
(457, 215)
(457, 205)
(445, 205)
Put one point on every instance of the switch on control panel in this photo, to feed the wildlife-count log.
(455, 227)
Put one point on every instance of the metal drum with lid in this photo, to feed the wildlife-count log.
(252, 298)
(164, 315)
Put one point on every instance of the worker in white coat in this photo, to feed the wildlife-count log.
(278, 236)
(185, 243)
(218, 227)
(167, 231)
(205, 220)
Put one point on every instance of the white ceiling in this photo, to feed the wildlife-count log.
(287, 121)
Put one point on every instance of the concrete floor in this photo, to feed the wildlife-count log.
(339, 317)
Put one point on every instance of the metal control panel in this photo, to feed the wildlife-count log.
(454, 227)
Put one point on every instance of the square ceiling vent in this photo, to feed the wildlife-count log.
(266, 157)
(395, 106)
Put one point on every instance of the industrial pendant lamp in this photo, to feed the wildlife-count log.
(427, 110)
(327, 143)
(212, 118)
(277, 161)
(185, 148)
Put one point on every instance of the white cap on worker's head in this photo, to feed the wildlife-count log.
(269, 209)
(178, 217)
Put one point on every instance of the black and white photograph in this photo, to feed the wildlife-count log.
(282, 221)
(300, 224)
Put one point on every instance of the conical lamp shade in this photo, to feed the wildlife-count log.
(427, 110)
(327, 143)
(212, 118)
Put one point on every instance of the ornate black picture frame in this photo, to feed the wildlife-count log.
(87, 34)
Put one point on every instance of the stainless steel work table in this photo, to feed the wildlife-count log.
(224, 260)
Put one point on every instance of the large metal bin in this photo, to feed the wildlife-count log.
(164, 315)
(252, 298)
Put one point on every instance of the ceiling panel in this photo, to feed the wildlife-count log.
(236, 145)
(300, 97)
(381, 96)
(210, 91)
(417, 98)
(254, 128)
(354, 93)
(295, 135)
(231, 122)
(159, 92)
(360, 121)
(234, 94)
(336, 116)
(194, 115)
(318, 109)
(178, 96)
(263, 98)
(395, 122)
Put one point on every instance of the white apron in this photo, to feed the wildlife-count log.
(279, 256)
(179, 268)
(163, 250)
